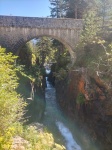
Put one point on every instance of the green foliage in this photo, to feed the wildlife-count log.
(86, 49)
(58, 8)
(34, 73)
(45, 50)
(37, 140)
(104, 10)
(41, 140)
(61, 55)
(103, 66)
(11, 105)
(76, 8)
(11, 111)
(96, 22)
(25, 55)
(61, 74)
(95, 50)
(62, 59)
(80, 99)
(91, 28)
(34, 98)
(28, 65)
(68, 8)
(33, 59)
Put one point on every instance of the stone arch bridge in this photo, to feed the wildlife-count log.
(16, 31)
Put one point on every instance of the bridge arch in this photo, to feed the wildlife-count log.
(19, 45)
(16, 31)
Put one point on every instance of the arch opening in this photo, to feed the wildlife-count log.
(70, 49)
(49, 46)
(48, 51)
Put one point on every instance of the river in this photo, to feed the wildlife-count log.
(62, 128)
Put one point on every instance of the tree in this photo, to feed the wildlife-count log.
(76, 8)
(95, 19)
(96, 47)
(103, 10)
(91, 28)
(45, 50)
(25, 55)
(58, 9)
(62, 56)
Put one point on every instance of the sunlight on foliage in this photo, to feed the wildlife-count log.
(11, 112)
(11, 105)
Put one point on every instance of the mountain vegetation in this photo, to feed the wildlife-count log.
(94, 52)
(12, 109)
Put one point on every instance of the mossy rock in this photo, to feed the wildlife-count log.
(80, 99)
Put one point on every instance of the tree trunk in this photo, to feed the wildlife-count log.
(75, 11)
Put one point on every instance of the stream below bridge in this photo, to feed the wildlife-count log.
(62, 128)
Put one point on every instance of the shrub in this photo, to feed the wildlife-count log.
(11, 105)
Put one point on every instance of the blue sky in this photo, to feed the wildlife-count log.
(28, 8)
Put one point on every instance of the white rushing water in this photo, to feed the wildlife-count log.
(70, 142)
(54, 114)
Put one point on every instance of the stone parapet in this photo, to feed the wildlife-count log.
(35, 22)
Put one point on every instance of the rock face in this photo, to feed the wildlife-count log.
(89, 102)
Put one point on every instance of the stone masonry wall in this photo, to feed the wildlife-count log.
(35, 22)
(16, 31)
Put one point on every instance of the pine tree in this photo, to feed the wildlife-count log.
(104, 11)
(45, 50)
(58, 9)
(76, 8)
